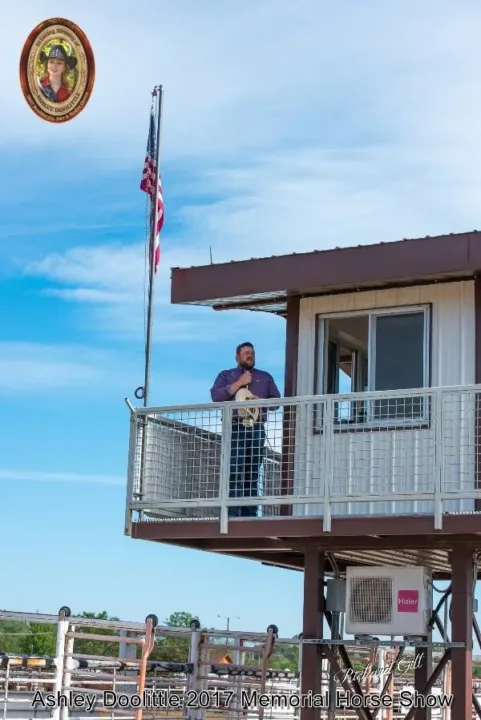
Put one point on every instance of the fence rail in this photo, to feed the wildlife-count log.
(382, 453)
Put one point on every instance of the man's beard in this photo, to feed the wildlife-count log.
(247, 365)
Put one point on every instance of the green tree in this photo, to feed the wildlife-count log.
(172, 648)
(41, 639)
(96, 647)
(285, 657)
(181, 619)
(24, 638)
(12, 636)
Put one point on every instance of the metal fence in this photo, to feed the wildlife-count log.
(218, 671)
(398, 452)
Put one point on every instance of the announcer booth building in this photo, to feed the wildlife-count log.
(371, 481)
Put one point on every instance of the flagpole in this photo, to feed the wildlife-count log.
(153, 230)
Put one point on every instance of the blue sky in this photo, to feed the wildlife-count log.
(288, 126)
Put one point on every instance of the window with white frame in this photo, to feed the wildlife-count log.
(382, 349)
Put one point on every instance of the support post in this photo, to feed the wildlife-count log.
(67, 678)
(194, 685)
(272, 632)
(432, 679)
(313, 627)
(151, 622)
(477, 397)
(423, 668)
(331, 711)
(462, 572)
(62, 629)
(6, 682)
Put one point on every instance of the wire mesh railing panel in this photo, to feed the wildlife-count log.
(390, 452)
(461, 418)
(398, 452)
(260, 459)
(179, 460)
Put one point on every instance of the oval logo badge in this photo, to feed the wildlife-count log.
(57, 70)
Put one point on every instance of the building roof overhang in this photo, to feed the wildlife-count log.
(265, 284)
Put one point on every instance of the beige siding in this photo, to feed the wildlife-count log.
(397, 461)
(452, 323)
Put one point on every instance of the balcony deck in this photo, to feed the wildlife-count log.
(336, 468)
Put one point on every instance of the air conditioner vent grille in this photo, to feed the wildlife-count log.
(371, 600)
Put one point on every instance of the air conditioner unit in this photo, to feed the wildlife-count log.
(388, 600)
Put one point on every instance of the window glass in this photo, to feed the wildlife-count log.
(399, 351)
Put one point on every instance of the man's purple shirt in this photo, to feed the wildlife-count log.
(262, 386)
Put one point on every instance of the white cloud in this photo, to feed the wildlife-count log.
(311, 124)
(109, 268)
(221, 68)
(110, 273)
(306, 125)
(67, 477)
(97, 375)
(319, 199)
(110, 282)
(247, 76)
(89, 295)
(26, 367)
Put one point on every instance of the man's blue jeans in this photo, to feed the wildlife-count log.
(247, 454)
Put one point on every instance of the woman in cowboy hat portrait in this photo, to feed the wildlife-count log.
(55, 82)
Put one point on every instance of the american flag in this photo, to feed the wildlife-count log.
(148, 182)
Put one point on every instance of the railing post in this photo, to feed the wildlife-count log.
(327, 435)
(62, 629)
(437, 398)
(6, 681)
(151, 622)
(224, 475)
(306, 467)
(143, 457)
(193, 683)
(68, 665)
(130, 473)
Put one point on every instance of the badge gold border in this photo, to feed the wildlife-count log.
(90, 69)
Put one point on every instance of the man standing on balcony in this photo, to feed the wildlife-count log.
(248, 441)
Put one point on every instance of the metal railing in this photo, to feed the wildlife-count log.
(405, 452)
(217, 666)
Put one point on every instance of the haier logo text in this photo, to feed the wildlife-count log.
(407, 601)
